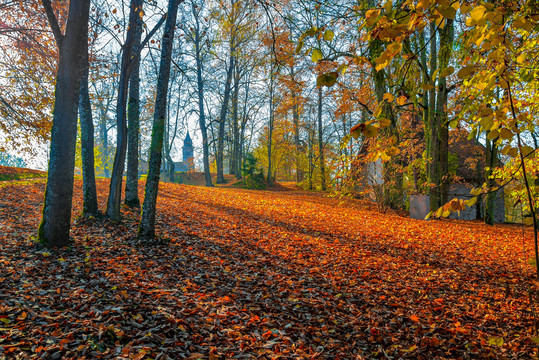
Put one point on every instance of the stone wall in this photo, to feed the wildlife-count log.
(462, 191)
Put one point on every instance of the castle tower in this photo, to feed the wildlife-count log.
(188, 157)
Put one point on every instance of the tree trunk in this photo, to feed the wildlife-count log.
(54, 227)
(115, 190)
(103, 134)
(321, 143)
(201, 114)
(222, 117)
(270, 127)
(311, 157)
(433, 173)
(133, 117)
(89, 207)
(146, 231)
(235, 126)
(446, 46)
(490, 201)
(297, 148)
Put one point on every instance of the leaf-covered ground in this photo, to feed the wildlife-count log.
(12, 173)
(263, 274)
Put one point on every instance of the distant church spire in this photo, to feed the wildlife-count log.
(187, 148)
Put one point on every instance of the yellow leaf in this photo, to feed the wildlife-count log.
(342, 69)
(447, 11)
(447, 71)
(388, 5)
(527, 151)
(329, 35)
(299, 47)
(465, 72)
(389, 97)
(506, 134)
(401, 100)
(370, 131)
(316, 55)
(472, 201)
(493, 135)
(395, 47)
(477, 13)
(521, 58)
(475, 192)
(383, 122)
(423, 4)
(433, 78)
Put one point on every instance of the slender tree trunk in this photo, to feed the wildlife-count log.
(270, 127)
(222, 117)
(297, 145)
(89, 207)
(425, 97)
(201, 114)
(103, 134)
(115, 189)
(235, 126)
(241, 140)
(490, 201)
(146, 231)
(133, 117)
(54, 227)
(446, 46)
(321, 143)
(433, 173)
(310, 140)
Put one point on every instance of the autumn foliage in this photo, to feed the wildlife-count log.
(271, 275)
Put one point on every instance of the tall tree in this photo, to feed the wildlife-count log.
(321, 143)
(146, 231)
(271, 122)
(224, 107)
(133, 117)
(56, 221)
(89, 208)
(115, 189)
(200, 93)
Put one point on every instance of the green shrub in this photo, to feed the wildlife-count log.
(253, 176)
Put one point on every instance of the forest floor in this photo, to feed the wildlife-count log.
(266, 275)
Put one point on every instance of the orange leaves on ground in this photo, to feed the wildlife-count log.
(270, 274)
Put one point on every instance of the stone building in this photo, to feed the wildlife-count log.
(467, 163)
(188, 163)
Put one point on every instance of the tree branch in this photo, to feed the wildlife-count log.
(53, 21)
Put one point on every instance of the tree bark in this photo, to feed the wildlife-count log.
(235, 126)
(490, 201)
(310, 139)
(270, 127)
(222, 117)
(446, 46)
(297, 148)
(133, 116)
(321, 143)
(201, 112)
(115, 189)
(433, 173)
(89, 207)
(56, 221)
(146, 231)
